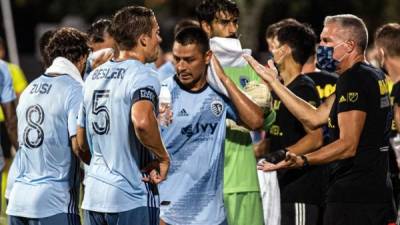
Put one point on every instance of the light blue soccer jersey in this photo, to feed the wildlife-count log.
(7, 93)
(192, 193)
(45, 184)
(114, 179)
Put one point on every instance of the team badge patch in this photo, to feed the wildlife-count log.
(217, 107)
(243, 81)
(352, 96)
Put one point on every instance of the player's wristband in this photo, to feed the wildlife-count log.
(305, 161)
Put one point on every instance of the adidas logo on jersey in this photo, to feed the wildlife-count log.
(183, 113)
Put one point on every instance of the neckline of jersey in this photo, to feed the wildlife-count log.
(188, 90)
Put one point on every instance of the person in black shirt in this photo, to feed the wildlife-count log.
(357, 117)
(387, 43)
(301, 192)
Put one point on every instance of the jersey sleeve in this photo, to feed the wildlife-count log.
(396, 93)
(73, 109)
(7, 92)
(146, 89)
(351, 94)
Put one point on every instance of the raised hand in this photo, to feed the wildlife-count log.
(103, 57)
(218, 68)
(268, 74)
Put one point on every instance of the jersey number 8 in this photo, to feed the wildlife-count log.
(34, 117)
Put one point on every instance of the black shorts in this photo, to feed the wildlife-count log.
(299, 214)
(359, 214)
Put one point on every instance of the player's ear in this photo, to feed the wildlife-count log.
(142, 41)
(206, 27)
(207, 56)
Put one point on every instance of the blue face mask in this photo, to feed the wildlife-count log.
(325, 60)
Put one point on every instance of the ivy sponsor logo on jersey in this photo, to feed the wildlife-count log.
(217, 107)
(199, 128)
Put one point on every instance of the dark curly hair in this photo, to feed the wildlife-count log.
(207, 9)
(43, 42)
(129, 23)
(69, 43)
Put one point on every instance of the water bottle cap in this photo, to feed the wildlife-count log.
(165, 95)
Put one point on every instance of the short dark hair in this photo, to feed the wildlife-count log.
(129, 23)
(69, 43)
(388, 37)
(43, 42)
(300, 38)
(182, 24)
(97, 29)
(207, 9)
(272, 29)
(193, 35)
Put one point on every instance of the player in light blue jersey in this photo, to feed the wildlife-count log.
(45, 191)
(13, 171)
(7, 103)
(118, 123)
(193, 193)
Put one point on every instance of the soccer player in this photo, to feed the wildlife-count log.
(118, 117)
(301, 191)
(195, 139)
(44, 58)
(102, 44)
(358, 117)
(47, 112)
(387, 39)
(219, 18)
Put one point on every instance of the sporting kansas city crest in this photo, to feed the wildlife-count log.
(217, 107)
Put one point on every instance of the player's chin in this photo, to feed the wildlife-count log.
(185, 78)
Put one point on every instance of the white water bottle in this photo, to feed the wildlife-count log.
(165, 106)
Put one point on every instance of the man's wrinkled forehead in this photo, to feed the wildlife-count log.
(332, 32)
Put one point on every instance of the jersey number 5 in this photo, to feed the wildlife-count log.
(34, 117)
(99, 109)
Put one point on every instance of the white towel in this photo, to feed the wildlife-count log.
(62, 65)
(229, 53)
(270, 197)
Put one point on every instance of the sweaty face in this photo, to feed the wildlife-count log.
(224, 25)
(190, 65)
(153, 43)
